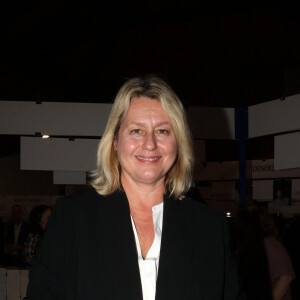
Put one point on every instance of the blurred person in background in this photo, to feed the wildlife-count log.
(281, 198)
(38, 219)
(251, 256)
(280, 266)
(15, 237)
(290, 233)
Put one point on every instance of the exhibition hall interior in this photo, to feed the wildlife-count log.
(236, 72)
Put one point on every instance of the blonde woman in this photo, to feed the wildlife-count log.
(135, 235)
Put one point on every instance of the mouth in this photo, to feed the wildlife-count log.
(148, 158)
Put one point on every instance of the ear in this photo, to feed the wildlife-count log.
(115, 144)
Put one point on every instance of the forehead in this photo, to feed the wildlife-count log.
(143, 107)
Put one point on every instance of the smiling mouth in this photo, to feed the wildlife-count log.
(149, 158)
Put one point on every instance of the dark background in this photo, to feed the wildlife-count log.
(218, 54)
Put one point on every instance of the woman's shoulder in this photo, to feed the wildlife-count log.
(272, 244)
(82, 208)
(78, 202)
(88, 196)
(87, 200)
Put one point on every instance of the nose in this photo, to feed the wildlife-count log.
(149, 142)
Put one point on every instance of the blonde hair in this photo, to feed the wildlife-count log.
(106, 179)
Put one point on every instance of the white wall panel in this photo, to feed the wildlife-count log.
(59, 154)
(274, 117)
(24, 282)
(68, 177)
(13, 284)
(263, 190)
(211, 122)
(264, 169)
(287, 151)
(89, 119)
(70, 119)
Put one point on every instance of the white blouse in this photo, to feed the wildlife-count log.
(149, 266)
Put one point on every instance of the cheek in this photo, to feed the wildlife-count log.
(170, 147)
(126, 144)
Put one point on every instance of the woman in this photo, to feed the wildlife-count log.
(251, 256)
(281, 270)
(38, 219)
(135, 236)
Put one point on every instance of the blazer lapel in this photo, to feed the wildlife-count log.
(123, 253)
(176, 251)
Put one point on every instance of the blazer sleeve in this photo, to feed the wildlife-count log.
(231, 283)
(47, 274)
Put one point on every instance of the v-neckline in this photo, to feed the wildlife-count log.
(157, 219)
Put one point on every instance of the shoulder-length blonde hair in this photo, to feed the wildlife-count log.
(106, 179)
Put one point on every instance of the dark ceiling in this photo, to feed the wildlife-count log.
(58, 50)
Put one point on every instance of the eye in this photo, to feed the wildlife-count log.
(136, 131)
(163, 131)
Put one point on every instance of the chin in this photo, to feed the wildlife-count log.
(150, 179)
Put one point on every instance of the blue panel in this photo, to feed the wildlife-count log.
(241, 134)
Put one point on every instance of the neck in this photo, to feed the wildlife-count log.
(143, 196)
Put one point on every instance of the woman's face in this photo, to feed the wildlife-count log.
(146, 143)
(45, 218)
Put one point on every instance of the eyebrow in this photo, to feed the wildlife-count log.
(143, 124)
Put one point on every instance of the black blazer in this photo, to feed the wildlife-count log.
(89, 252)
